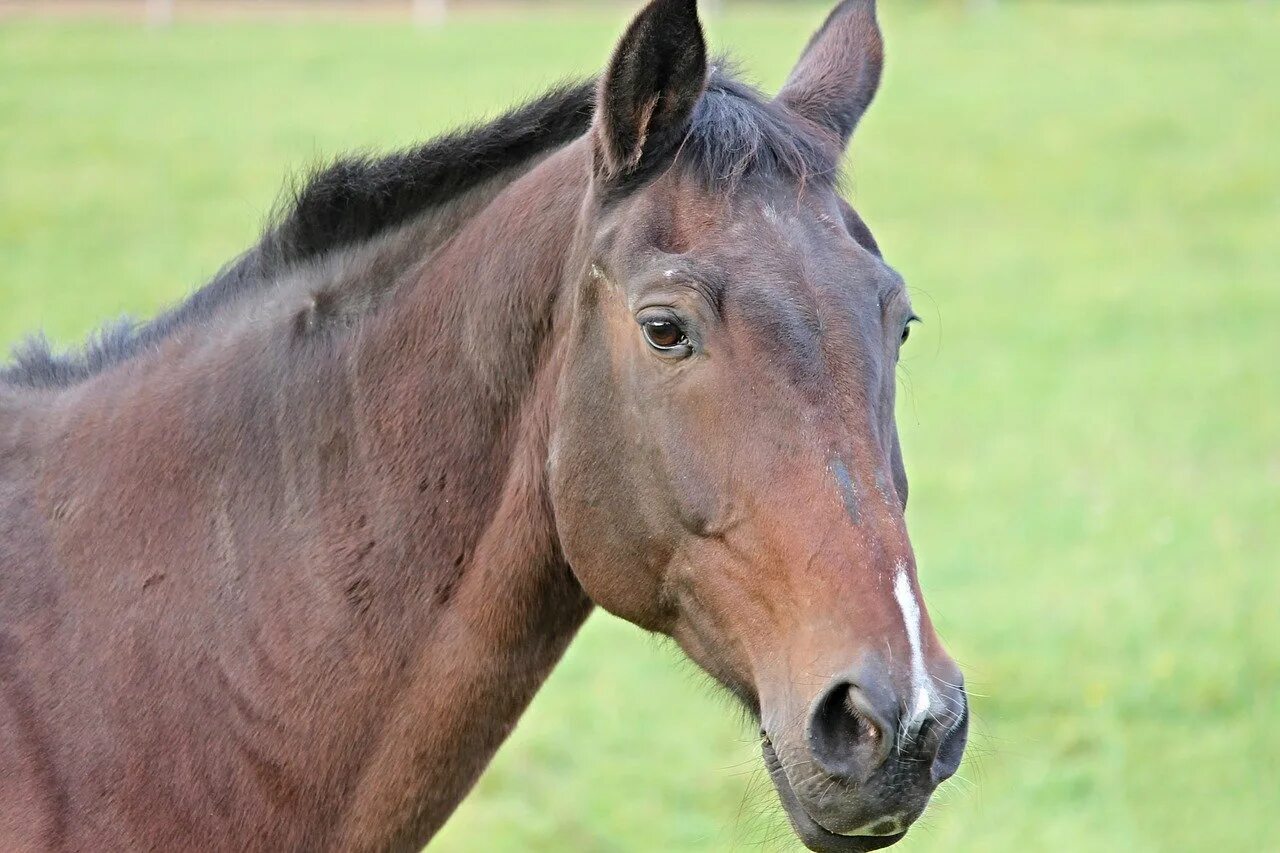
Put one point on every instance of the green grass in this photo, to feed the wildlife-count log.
(1086, 201)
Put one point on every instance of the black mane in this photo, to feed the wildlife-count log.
(736, 133)
(351, 201)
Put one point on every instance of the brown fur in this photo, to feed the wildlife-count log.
(286, 580)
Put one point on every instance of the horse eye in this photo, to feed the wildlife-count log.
(906, 329)
(664, 335)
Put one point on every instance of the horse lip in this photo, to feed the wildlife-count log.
(815, 836)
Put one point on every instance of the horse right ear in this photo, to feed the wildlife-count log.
(646, 98)
(839, 73)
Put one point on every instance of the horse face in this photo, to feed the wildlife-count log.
(725, 462)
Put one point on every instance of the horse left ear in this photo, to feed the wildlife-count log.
(647, 97)
(839, 73)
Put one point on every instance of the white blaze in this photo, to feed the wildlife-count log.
(911, 618)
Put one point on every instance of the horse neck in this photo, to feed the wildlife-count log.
(345, 497)
(452, 389)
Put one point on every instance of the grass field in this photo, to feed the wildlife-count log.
(1085, 199)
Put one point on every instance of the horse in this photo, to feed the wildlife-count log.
(283, 566)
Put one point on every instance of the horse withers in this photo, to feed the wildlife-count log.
(282, 567)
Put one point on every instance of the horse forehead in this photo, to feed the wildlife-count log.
(683, 214)
(773, 248)
(789, 256)
(822, 338)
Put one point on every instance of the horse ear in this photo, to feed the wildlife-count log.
(647, 96)
(839, 73)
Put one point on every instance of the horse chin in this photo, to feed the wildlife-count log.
(814, 836)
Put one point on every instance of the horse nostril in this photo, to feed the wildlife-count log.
(848, 737)
(951, 750)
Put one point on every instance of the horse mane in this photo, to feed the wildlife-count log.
(736, 134)
(352, 201)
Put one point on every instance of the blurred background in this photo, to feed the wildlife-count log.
(1085, 200)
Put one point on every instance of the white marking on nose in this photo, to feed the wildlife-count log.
(911, 619)
(880, 826)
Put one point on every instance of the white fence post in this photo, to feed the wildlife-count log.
(430, 12)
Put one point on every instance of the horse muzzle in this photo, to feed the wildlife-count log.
(862, 768)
